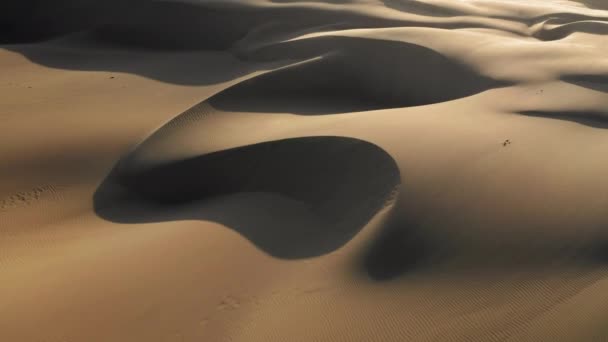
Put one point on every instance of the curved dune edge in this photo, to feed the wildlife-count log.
(355, 74)
(344, 182)
(354, 170)
(405, 247)
(555, 32)
(112, 21)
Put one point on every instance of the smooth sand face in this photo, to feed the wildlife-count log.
(340, 171)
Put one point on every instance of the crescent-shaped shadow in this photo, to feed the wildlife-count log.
(292, 198)
(351, 75)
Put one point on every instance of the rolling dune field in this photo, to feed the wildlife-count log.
(321, 170)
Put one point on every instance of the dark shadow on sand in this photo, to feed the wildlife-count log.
(593, 82)
(292, 198)
(421, 8)
(400, 247)
(166, 24)
(94, 28)
(591, 119)
(353, 74)
(568, 28)
(132, 23)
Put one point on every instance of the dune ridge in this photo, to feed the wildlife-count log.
(344, 181)
(282, 170)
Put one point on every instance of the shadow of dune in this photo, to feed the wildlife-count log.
(183, 68)
(592, 119)
(412, 243)
(136, 23)
(352, 74)
(421, 8)
(593, 82)
(399, 248)
(596, 4)
(598, 252)
(187, 24)
(292, 198)
(565, 30)
(121, 36)
(131, 30)
(168, 24)
(403, 247)
(35, 20)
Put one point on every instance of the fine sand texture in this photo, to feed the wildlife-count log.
(321, 170)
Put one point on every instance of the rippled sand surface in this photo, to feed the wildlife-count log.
(258, 170)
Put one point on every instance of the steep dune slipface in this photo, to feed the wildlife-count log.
(356, 74)
(363, 170)
(337, 183)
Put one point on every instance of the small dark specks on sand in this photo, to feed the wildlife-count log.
(229, 303)
(25, 198)
(506, 142)
(112, 77)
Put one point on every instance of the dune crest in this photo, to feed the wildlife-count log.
(342, 181)
(286, 170)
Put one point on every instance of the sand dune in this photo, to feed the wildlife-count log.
(282, 170)
(360, 74)
(343, 182)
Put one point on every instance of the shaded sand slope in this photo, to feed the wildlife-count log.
(355, 74)
(257, 170)
(343, 182)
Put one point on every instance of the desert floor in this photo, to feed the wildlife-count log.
(258, 170)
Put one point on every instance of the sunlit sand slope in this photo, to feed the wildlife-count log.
(258, 170)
